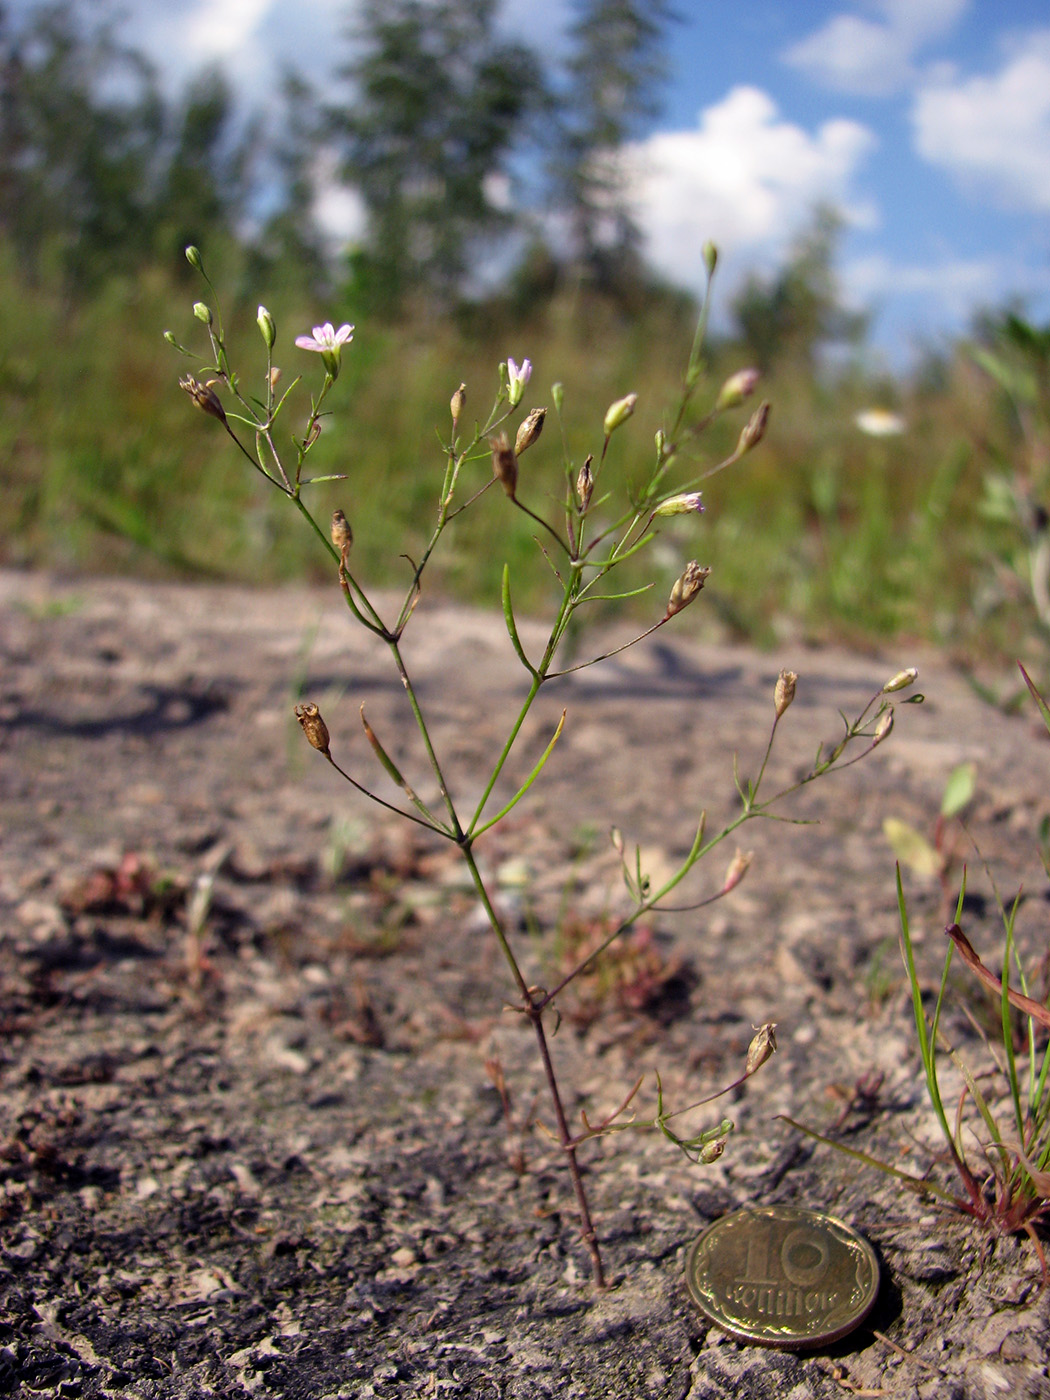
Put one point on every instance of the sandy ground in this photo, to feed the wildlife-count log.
(250, 1137)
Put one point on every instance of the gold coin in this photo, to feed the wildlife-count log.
(781, 1276)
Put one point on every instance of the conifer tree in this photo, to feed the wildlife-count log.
(615, 68)
(436, 102)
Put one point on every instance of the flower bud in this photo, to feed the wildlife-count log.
(202, 312)
(883, 727)
(558, 395)
(517, 377)
(710, 255)
(616, 837)
(204, 396)
(686, 587)
(784, 691)
(738, 868)
(754, 430)
(275, 377)
(736, 389)
(314, 727)
(193, 257)
(585, 484)
(170, 338)
(342, 535)
(267, 326)
(504, 464)
(618, 413)
(458, 403)
(763, 1045)
(529, 430)
(681, 505)
(901, 680)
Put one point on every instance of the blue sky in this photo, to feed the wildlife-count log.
(926, 122)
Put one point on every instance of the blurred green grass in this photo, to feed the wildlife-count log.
(821, 531)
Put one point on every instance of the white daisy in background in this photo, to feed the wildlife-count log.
(880, 422)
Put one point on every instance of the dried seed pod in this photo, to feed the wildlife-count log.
(686, 587)
(784, 691)
(314, 727)
(529, 430)
(504, 463)
(585, 484)
(342, 535)
(754, 430)
(763, 1044)
(204, 396)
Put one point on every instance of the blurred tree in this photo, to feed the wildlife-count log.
(97, 173)
(615, 66)
(794, 314)
(436, 103)
(80, 118)
(203, 168)
(290, 243)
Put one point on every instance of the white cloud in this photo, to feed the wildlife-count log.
(745, 178)
(216, 29)
(993, 133)
(251, 39)
(873, 57)
(955, 285)
(918, 301)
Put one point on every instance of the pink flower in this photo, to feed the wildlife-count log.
(326, 339)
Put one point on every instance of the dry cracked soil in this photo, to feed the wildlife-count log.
(254, 1032)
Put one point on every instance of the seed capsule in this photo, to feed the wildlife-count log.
(342, 535)
(504, 463)
(314, 727)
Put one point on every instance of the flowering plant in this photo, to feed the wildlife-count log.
(586, 541)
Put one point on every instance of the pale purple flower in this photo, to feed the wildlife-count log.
(326, 338)
(517, 377)
(681, 505)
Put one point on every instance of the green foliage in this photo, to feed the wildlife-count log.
(822, 528)
(939, 534)
(98, 174)
(798, 311)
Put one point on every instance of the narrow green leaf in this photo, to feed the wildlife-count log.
(528, 781)
(512, 630)
(959, 789)
(917, 1184)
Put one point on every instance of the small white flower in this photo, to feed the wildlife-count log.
(326, 338)
(880, 422)
(517, 377)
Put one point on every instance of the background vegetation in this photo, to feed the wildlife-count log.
(937, 533)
